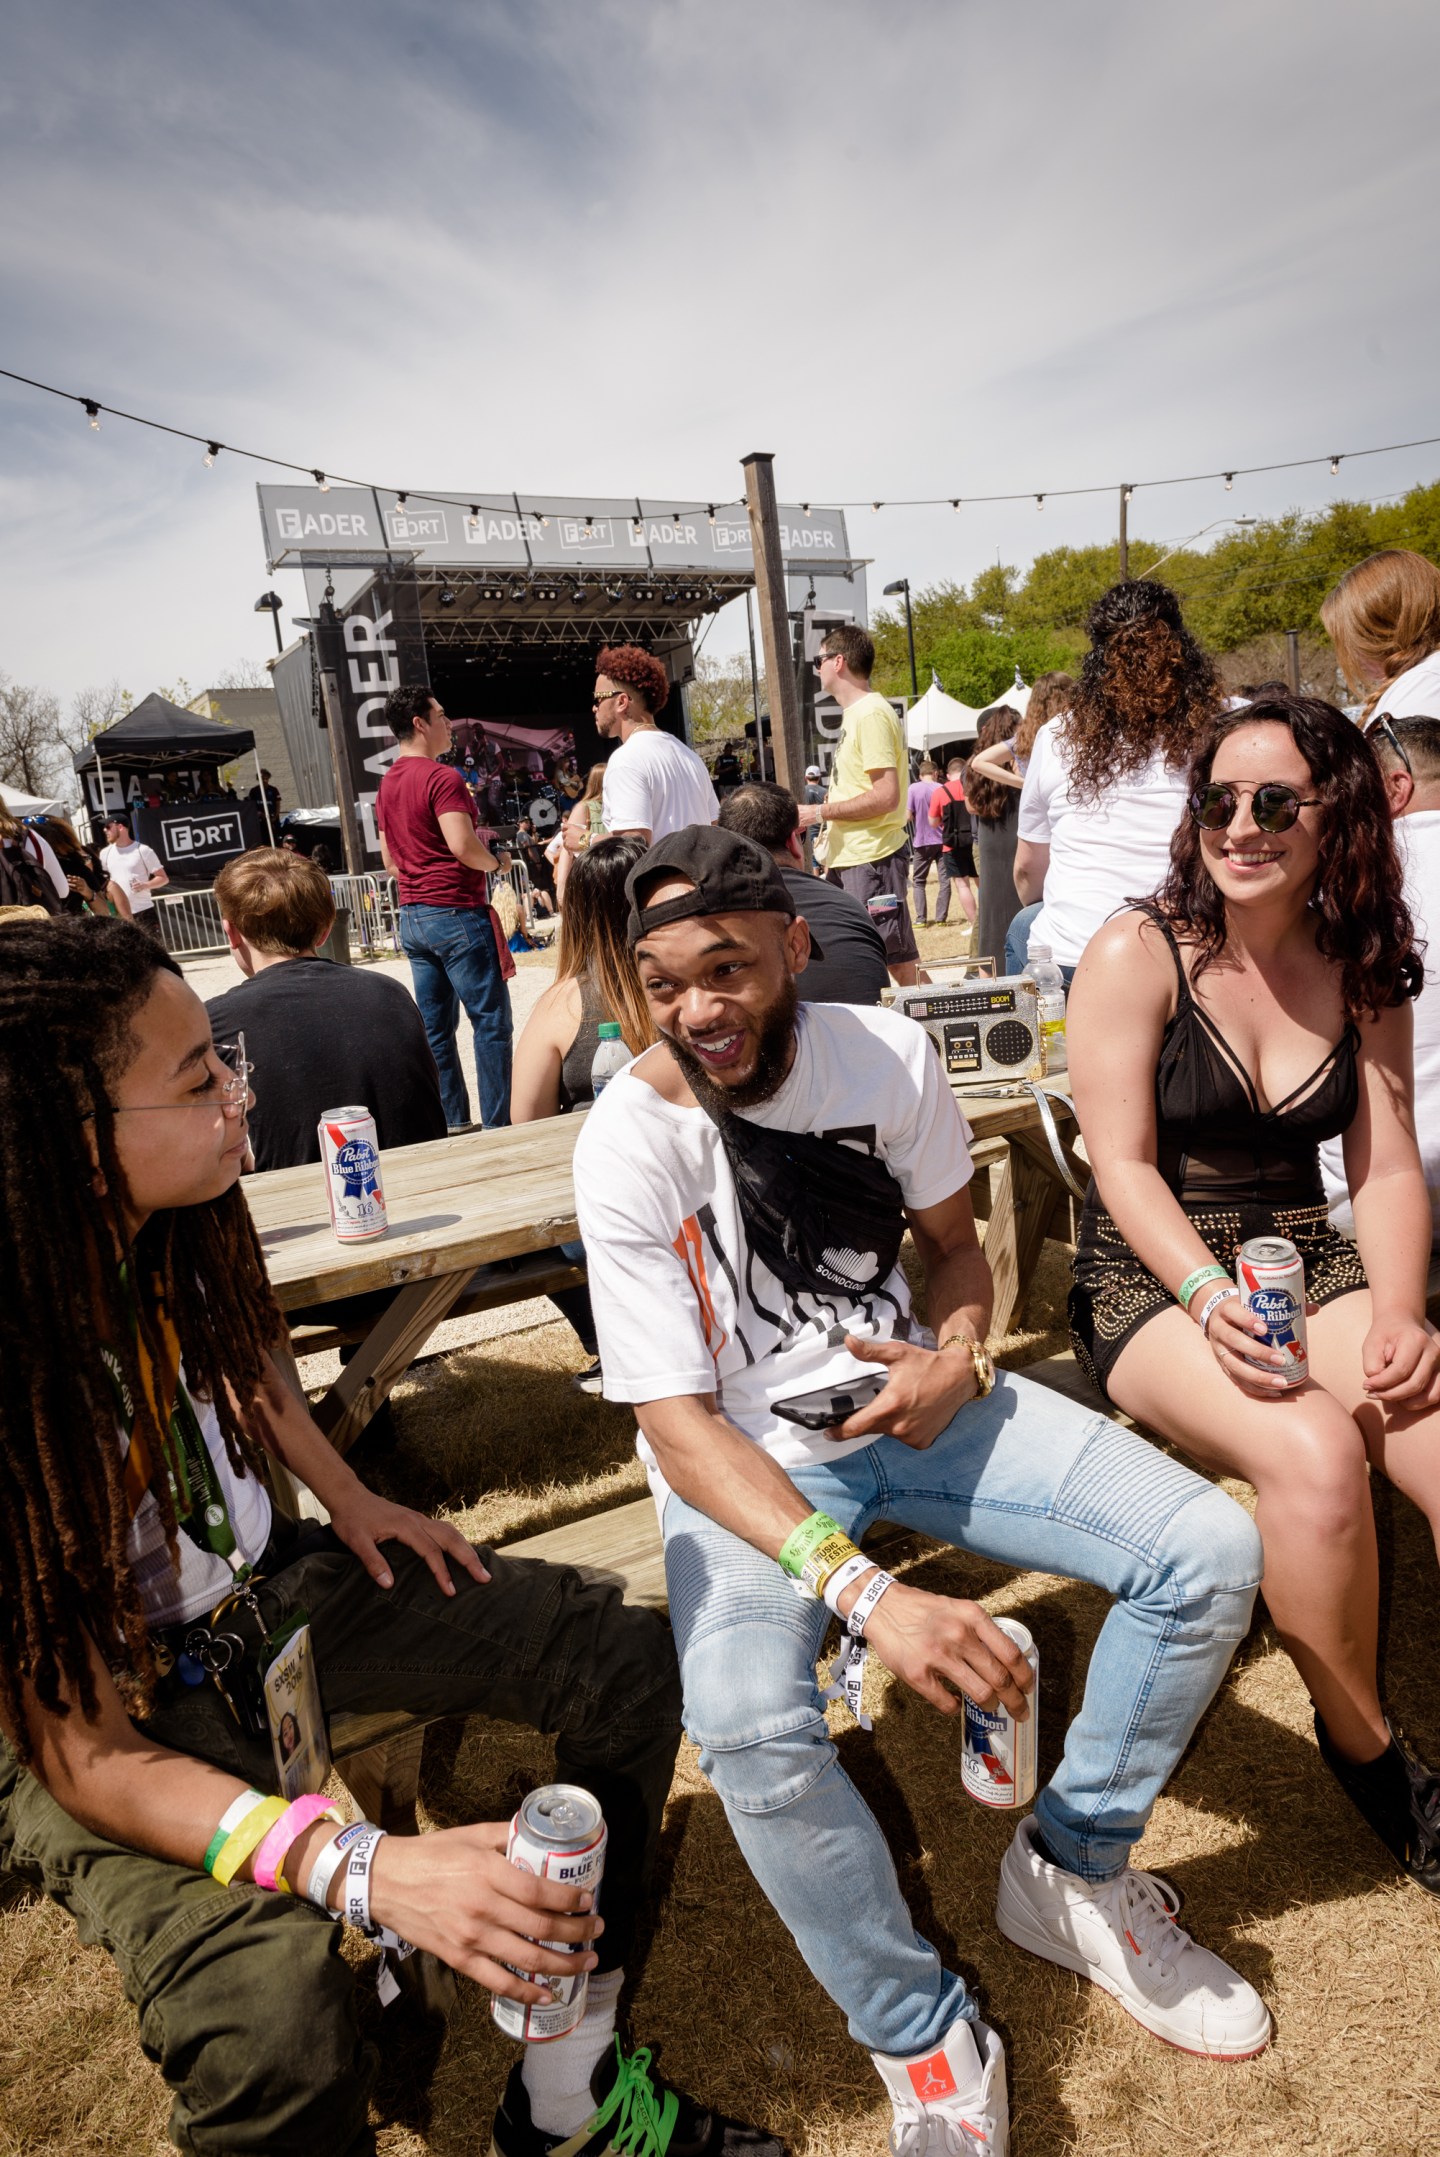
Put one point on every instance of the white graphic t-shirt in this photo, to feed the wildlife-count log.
(172, 1598)
(681, 1304)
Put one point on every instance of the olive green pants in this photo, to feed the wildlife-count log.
(245, 2002)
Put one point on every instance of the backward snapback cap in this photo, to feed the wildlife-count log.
(730, 875)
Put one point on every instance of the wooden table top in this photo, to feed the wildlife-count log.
(458, 1203)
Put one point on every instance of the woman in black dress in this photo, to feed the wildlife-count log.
(1259, 1004)
(996, 810)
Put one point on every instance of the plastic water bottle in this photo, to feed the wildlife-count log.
(1050, 986)
(611, 1056)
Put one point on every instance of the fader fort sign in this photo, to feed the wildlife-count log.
(304, 524)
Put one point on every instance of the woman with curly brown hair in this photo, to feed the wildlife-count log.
(1259, 1003)
(1008, 760)
(1106, 785)
(1383, 619)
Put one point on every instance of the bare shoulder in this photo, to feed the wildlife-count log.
(1126, 941)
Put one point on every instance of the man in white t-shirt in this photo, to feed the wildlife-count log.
(137, 869)
(1409, 753)
(654, 784)
(708, 1341)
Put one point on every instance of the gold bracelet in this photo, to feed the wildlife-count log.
(979, 1357)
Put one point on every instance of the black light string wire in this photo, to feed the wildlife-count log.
(405, 495)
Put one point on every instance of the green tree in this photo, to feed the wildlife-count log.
(720, 701)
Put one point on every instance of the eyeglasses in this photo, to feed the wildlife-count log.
(1382, 726)
(1274, 807)
(231, 1095)
(606, 698)
(820, 660)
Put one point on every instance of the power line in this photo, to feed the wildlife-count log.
(213, 447)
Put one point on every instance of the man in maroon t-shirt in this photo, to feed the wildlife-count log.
(428, 837)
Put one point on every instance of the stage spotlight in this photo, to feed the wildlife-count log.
(447, 597)
(518, 592)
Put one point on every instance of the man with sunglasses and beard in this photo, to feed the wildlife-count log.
(706, 1325)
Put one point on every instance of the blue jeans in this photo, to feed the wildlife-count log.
(1032, 1480)
(453, 961)
(1017, 938)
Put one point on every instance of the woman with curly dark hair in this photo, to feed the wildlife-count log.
(1259, 1003)
(996, 810)
(1106, 784)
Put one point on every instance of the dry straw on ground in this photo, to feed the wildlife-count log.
(1277, 1873)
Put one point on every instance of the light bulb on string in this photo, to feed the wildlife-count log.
(874, 506)
(710, 512)
(93, 410)
(1334, 466)
(955, 503)
(637, 527)
(677, 520)
(805, 509)
(1039, 501)
(212, 451)
(400, 501)
(473, 520)
(319, 478)
(1129, 493)
(1229, 482)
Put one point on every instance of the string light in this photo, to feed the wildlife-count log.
(473, 520)
(875, 506)
(212, 451)
(1334, 466)
(319, 478)
(805, 509)
(1229, 482)
(400, 501)
(93, 410)
(1126, 493)
(1039, 501)
(710, 512)
(955, 503)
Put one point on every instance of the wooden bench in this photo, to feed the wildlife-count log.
(491, 1288)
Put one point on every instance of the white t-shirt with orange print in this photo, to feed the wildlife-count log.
(681, 1304)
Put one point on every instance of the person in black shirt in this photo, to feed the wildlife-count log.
(319, 1035)
(853, 968)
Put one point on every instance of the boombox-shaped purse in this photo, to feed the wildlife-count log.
(985, 1030)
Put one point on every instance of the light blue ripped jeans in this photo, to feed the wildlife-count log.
(1032, 1480)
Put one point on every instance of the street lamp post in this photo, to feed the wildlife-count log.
(902, 584)
(270, 603)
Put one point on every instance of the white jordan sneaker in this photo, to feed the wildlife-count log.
(1122, 1934)
(951, 2102)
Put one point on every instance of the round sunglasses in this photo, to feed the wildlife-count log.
(1274, 807)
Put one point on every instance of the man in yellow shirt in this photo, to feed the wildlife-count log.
(868, 852)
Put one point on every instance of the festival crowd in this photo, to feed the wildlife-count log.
(1237, 892)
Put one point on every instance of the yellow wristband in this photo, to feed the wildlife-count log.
(247, 1838)
(827, 1558)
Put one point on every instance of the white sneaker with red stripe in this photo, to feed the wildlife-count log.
(1122, 1935)
(950, 2102)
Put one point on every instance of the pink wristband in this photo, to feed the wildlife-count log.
(273, 1851)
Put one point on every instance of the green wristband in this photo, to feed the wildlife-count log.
(799, 1543)
(1197, 1279)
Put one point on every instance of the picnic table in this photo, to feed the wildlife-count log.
(484, 1198)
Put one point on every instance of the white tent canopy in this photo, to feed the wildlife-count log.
(935, 718)
(28, 804)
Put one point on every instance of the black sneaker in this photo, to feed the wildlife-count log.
(636, 2115)
(1400, 1798)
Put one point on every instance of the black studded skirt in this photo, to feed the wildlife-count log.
(1114, 1294)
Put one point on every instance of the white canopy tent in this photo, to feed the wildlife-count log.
(29, 804)
(935, 718)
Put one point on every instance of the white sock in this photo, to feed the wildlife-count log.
(557, 2075)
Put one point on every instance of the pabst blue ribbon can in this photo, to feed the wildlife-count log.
(559, 1833)
(350, 1150)
(998, 1763)
(1270, 1275)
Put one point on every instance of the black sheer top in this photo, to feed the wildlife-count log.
(1216, 1145)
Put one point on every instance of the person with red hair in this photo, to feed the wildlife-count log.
(654, 783)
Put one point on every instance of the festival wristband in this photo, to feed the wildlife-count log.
(1197, 1279)
(247, 1837)
(1221, 1295)
(825, 1559)
(864, 1604)
(328, 1861)
(265, 1871)
(356, 1890)
(799, 1543)
(842, 1578)
(230, 1819)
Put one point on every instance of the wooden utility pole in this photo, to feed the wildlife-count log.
(774, 601)
(1292, 658)
(1124, 531)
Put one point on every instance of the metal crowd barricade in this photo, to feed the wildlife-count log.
(190, 923)
(373, 905)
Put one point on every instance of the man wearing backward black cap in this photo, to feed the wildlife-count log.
(742, 1188)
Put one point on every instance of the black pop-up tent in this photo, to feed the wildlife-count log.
(158, 748)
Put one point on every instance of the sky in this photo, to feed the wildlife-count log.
(912, 247)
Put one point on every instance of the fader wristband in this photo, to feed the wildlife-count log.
(251, 1832)
(1197, 1279)
(863, 1607)
(843, 1577)
(304, 1812)
(1208, 1310)
(827, 1558)
(356, 1889)
(331, 1857)
(230, 1819)
(799, 1543)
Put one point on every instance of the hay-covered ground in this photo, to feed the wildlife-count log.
(1276, 1871)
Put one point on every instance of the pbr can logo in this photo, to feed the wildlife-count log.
(1279, 1309)
(358, 1165)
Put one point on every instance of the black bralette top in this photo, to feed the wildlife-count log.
(1216, 1144)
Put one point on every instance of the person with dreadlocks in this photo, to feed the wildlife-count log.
(139, 1402)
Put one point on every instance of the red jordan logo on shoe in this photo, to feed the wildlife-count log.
(931, 2079)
